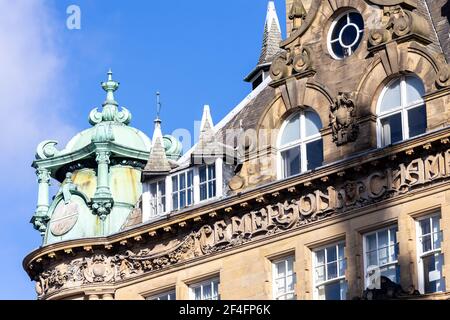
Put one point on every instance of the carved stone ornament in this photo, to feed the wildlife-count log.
(297, 14)
(343, 119)
(102, 207)
(443, 76)
(398, 22)
(291, 62)
(104, 267)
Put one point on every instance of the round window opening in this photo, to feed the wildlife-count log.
(345, 35)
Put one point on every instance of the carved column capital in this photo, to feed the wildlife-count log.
(103, 157)
(43, 175)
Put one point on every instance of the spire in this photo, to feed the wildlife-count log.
(207, 146)
(272, 35)
(110, 108)
(270, 47)
(157, 163)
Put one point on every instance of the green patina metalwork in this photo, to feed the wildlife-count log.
(109, 138)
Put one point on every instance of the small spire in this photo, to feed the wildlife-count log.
(157, 163)
(272, 35)
(270, 47)
(207, 122)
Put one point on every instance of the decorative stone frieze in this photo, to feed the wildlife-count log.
(288, 212)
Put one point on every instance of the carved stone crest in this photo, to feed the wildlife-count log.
(343, 119)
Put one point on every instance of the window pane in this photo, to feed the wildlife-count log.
(425, 226)
(333, 291)
(414, 89)
(383, 238)
(281, 269)
(357, 19)
(190, 178)
(189, 196)
(212, 189)
(182, 181)
(392, 97)
(436, 224)
(203, 194)
(314, 152)
(332, 270)
(212, 172)
(390, 272)
(175, 183)
(175, 201)
(349, 35)
(372, 259)
(417, 121)
(371, 242)
(291, 131)
(207, 294)
(202, 173)
(339, 26)
(320, 257)
(312, 123)
(162, 188)
(331, 254)
(182, 199)
(198, 293)
(392, 129)
(291, 161)
(432, 267)
(320, 274)
(337, 49)
(342, 268)
(341, 251)
(383, 256)
(426, 243)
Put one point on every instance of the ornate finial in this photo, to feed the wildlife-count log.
(297, 14)
(110, 86)
(158, 107)
(110, 110)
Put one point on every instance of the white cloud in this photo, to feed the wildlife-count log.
(32, 83)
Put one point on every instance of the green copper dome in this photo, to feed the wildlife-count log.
(122, 135)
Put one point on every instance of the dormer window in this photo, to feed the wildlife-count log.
(183, 190)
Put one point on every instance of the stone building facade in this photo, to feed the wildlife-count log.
(329, 181)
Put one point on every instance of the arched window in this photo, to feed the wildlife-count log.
(401, 110)
(300, 144)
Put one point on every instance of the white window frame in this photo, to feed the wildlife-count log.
(210, 282)
(330, 32)
(159, 197)
(166, 294)
(365, 252)
(208, 180)
(299, 143)
(419, 247)
(403, 109)
(286, 260)
(340, 278)
(187, 189)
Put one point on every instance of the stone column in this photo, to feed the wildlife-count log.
(41, 218)
(102, 201)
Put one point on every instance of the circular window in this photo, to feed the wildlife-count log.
(345, 34)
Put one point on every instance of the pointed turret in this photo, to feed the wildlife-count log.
(157, 164)
(270, 47)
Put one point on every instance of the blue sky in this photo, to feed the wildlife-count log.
(193, 52)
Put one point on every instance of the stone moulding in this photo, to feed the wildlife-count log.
(220, 232)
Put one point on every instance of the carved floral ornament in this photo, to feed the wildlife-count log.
(223, 232)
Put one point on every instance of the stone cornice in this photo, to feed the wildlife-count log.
(238, 202)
